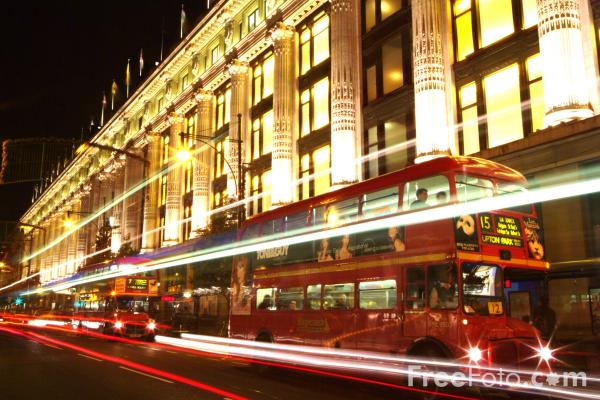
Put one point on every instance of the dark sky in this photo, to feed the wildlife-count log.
(57, 58)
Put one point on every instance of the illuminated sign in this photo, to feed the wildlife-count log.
(137, 284)
(500, 230)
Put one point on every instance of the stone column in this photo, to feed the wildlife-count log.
(283, 114)
(149, 234)
(566, 95)
(173, 213)
(35, 246)
(345, 98)
(431, 86)
(117, 210)
(55, 250)
(201, 203)
(63, 247)
(83, 232)
(131, 205)
(73, 237)
(238, 72)
(95, 202)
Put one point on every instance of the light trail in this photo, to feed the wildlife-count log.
(130, 364)
(144, 183)
(549, 193)
(204, 353)
(361, 362)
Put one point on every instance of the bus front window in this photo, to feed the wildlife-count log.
(482, 289)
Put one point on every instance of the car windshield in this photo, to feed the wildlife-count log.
(482, 289)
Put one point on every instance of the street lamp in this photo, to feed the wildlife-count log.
(184, 155)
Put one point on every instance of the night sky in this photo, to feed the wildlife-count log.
(58, 57)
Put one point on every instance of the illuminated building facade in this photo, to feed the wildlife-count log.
(323, 94)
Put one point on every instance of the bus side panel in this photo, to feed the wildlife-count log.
(433, 236)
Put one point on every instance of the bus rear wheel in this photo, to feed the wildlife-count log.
(258, 366)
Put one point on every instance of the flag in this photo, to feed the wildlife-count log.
(127, 79)
(141, 61)
(113, 91)
(182, 22)
(103, 108)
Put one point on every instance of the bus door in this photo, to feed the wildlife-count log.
(442, 285)
(378, 316)
(338, 309)
(414, 316)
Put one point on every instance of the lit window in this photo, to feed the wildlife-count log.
(464, 29)
(470, 123)
(305, 112)
(160, 104)
(371, 79)
(536, 91)
(530, 17)
(391, 57)
(255, 203)
(376, 11)
(314, 43)
(304, 177)
(496, 20)
(215, 54)
(320, 97)
(184, 82)
(253, 20)
(219, 161)
(391, 137)
(188, 177)
(321, 160)
(265, 180)
(503, 105)
(223, 107)
(162, 194)
(263, 79)
(262, 135)
(165, 150)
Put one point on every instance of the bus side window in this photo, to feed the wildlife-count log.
(426, 192)
(342, 212)
(272, 226)
(296, 221)
(380, 203)
(291, 299)
(318, 217)
(415, 288)
(313, 294)
(443, 290)
(265, 299)
(470, 188)
(378, 295)
(338, 297)
(251, 232)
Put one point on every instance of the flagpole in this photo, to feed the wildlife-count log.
(127, 78)
(162, 38)
(181, 22)
(141, 61)
(103, 107)
(113, 92)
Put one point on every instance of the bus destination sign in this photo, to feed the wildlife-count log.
(500, 230)
(137, 284)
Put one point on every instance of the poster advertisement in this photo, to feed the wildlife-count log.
(465, 233)
(535, 238)
(240, 286)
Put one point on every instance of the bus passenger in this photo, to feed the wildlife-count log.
(341, 302)
(441, 198)
(421, 200)
(443, 293)
(265, 303)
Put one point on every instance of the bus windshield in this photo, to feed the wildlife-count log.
(511, 187)
(482, 289)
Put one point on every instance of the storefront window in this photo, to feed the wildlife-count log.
(495, 20)
(530, 17)
(391, 56)
(464, 29)
(314, 43)
(536, 91)
(376, 11)
(503, 105)
(321, 161)
(470, 123)
(314, 101)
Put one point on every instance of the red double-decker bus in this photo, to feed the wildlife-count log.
(457, 287)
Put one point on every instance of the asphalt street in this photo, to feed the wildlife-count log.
(58, 365)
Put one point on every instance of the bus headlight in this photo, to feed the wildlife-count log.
(545, 353)
(118, 325)
(151, 326)
(475, 354)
